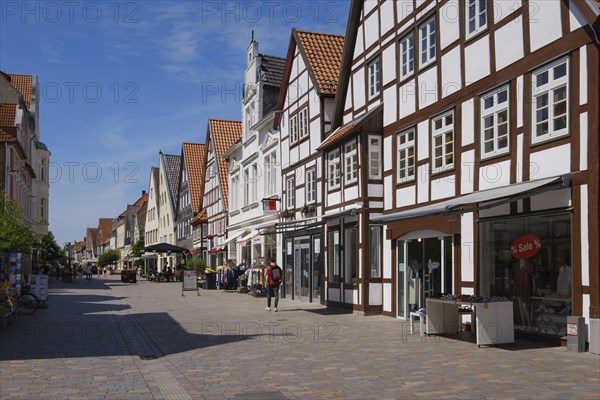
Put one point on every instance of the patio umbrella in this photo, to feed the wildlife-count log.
(165, 248)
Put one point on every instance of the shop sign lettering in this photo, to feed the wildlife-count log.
(525, 246)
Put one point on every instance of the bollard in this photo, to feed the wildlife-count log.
(576, 334)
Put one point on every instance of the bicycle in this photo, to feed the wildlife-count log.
(26, 303)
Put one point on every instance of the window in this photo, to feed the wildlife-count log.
(407, 55)
(43, 208)
(442, 132)
(406, 156)
(333, 169)
(427, 42)
(254, 183)
(351, 162)
(311, 187)
(350, 256)
(290, 193)
(246, 186)
(43, 170)
(303, 122)
(375, 251)
(550, 102)
(270, 174)
(333, 256)
(476, 15)
(374, 78)
(374, 157)
(235, 183)
(494, 122)
(294, 128)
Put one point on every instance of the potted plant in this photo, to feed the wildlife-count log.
(308, 208)
(287, 213)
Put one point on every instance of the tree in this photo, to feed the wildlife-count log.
(136, 251)
(199, 264)
(16, 235)
(50, 248)
(108, 257)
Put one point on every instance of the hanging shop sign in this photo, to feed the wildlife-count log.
(525, 246)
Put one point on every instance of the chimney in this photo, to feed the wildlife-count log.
(143, 192)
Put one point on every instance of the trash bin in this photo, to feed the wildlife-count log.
(576, 334)
(211, 280)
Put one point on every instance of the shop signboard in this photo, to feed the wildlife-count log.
(525, 246)
(189, 281)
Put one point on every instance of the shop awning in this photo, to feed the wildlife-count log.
(472, 201)
(247, 237)
(232, 238)
(151, 255)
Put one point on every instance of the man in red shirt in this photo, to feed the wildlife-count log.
(273, 275)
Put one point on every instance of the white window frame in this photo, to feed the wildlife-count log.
(374, 78)
(427, 41)
(247, 179)
(375, 159)
(254, 183)
(271, 174)
(294, 129)
(405, 141)
(350, 162)
(407, 56)
(311, 187)
(443, 133)
(235, 182)
(303, 123)
(289, 193)
(494, 112)
(547, 88)
(333, 169)
(474, 12)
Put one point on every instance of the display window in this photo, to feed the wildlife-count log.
(528, 260)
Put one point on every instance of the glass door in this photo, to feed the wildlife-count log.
(289, 268)
(317, 266)
(302, 258)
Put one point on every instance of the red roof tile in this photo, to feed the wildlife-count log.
(339, 134)
(324, 54)
(104, 230)
(224, 134)
(6, 137)
(23, 83)
(8, 114)
(195, 158)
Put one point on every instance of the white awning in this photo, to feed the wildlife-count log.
(494, 197)
(247, 237)
(233, 238)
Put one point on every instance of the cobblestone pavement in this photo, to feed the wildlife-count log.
(111, 340)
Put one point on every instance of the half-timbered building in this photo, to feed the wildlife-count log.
(490, 152)
(306, 109)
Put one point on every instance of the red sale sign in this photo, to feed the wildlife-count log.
(525, 246)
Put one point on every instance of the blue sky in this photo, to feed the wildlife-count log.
(121, 80)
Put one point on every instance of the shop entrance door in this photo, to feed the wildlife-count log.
(302, 258)
(426, 267)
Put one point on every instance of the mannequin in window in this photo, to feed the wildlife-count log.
(523, 288)
(563, 282)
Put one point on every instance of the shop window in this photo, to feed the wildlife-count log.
(333, 256)
(550, 101)
(350, 256)
(528, 259)
(375, 251)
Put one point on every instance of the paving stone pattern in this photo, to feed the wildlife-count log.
(113, 340)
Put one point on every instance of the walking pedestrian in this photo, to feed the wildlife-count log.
(88, 272)
(273, 275)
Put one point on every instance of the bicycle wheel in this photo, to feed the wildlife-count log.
(27, 303)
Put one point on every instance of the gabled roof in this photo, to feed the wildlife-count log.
(8, 114)
(23, 83)
(347, 130)
(141, 216)
(91, 237)
(172, 164)
(139, 202)
(223, 134)
(201, 217)
(272, 70)
(324, 54)
(195, 158)
(104, 230)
